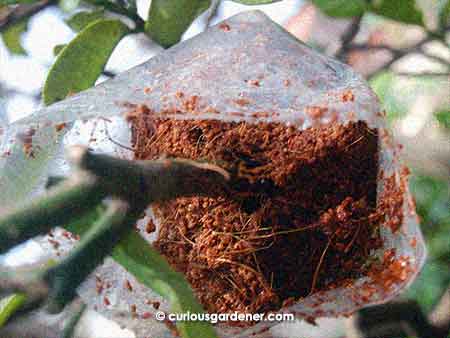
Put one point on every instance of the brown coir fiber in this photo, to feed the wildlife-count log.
(300, 216)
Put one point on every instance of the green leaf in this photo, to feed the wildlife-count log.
(9, 305)
(342, 8)
(80, 63)
(58, 48)
(169, 19)
(405, 11)
(255, 2)
(443, 118)
(80, 20)
(139, 258)
(444, 15)
(12, 38)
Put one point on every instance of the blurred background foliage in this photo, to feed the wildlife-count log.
(412, 82)
(433, 205)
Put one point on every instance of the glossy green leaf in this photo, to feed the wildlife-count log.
(139, 258)
(12, 38)
(169, 19)
(80, 63)
(80, 20)
(342, 8)
(405, 11)
(255, 2)
(150, 268)
(9, 305)
(444, 15)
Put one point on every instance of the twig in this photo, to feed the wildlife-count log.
(422, 74)
(65, 277)
(62, 204)
(52, 181)
(109, 74)
(436, 58)
(151, 181)
(347, 46)
(73, 321)
(133, 181)
(399, 53)
(21, 12)
(212, 12)
(348, 37)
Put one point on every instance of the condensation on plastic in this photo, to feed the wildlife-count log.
(246, 57)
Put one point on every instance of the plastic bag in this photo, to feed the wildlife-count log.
(215, 66)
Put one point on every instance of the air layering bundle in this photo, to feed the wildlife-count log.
(317, 221)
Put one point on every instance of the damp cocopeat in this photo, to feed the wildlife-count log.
(300, 215)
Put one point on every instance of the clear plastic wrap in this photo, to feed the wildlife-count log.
(217, 66)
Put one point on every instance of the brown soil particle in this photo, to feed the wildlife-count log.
(27, 141)
(301, 216)
(225, 27)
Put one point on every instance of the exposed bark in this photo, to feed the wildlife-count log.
(15, 14)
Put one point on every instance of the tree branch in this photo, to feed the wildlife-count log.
(102, 175)
(348, 46)
(109, 74)
(156, 180)
(212, 12)
(436, 58)
(18, 13)
(348, 37)
(399, 53)
(70, 327)
(101, 238)
(62, 204)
